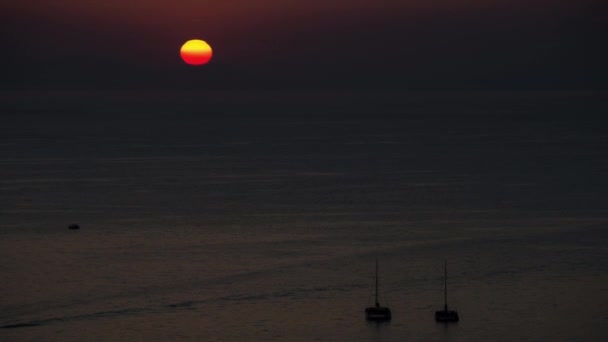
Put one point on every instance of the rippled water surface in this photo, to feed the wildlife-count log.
(223, 217)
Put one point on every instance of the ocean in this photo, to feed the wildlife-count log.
(259, 216)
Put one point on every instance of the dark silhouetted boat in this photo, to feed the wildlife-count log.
(446, 315)
(73, 226)
(377, 312)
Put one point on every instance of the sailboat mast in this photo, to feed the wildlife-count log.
(377, 304)
(445, 282)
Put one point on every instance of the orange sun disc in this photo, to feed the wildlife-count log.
(196, 52)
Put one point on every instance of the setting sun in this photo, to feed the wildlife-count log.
(196, 52)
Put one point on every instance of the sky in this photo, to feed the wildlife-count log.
(437, 44)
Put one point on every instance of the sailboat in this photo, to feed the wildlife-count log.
(446, 315)
(377, 312)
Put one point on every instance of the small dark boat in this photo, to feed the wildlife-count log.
(446, 315)
(73, 226)
(377, 312)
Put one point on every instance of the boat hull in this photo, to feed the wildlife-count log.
(378, 314)
(446, 316)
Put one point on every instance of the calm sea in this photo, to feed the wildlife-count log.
(216, 216)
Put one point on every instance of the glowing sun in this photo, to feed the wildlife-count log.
(196, 52)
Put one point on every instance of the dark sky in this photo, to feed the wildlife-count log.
(439, 44)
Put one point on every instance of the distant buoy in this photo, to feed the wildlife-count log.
(73, 226)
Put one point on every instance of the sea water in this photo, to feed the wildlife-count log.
(223, 216)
